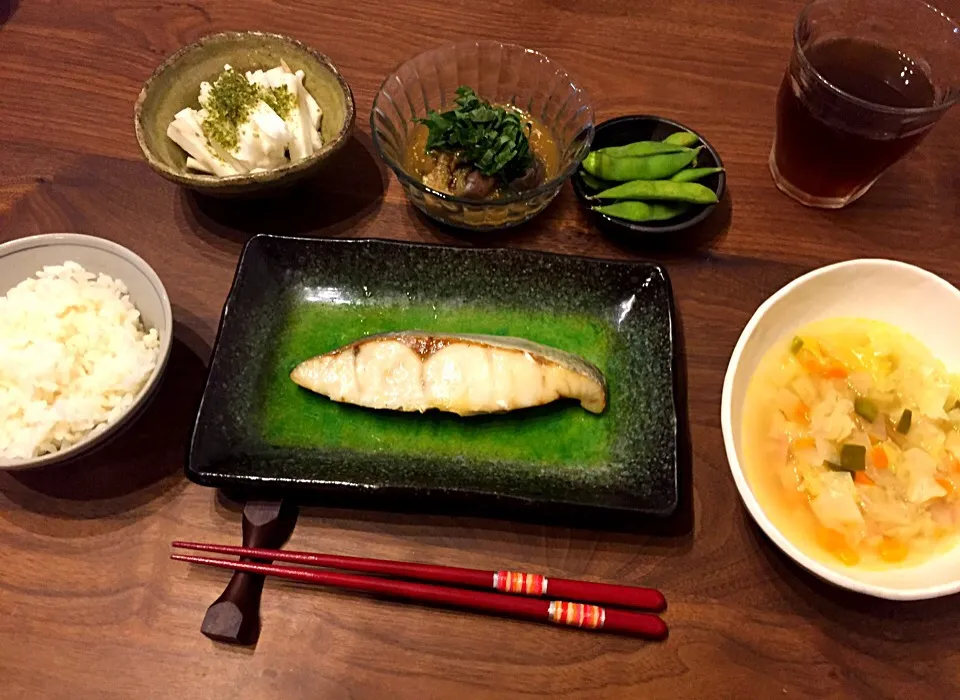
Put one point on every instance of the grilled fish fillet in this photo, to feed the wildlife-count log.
(462, 374)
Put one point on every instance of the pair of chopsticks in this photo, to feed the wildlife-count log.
(583, 603)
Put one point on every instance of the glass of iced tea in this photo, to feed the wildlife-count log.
(867, 80)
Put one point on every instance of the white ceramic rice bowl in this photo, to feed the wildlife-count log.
(23, 257)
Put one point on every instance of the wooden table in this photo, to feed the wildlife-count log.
(91, 606)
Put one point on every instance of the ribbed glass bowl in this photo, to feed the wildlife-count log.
(500, 74)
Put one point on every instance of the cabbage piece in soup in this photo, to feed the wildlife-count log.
(851, 439)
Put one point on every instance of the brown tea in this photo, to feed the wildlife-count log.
(826, 146)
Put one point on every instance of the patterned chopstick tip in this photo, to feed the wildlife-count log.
(518, 582)
(576, 614)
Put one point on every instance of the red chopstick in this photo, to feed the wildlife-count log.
(502, 581)
(581, 615)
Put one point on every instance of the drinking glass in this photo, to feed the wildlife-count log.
(867, 81)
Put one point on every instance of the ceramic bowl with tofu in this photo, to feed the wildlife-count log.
(275, 117)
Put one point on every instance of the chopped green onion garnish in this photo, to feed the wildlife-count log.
(853, 458)
(866, 409)
(903, 425)
(796, 344)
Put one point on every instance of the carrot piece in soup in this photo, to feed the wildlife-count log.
(835, 543)
(892, 550)
(879, 456)
(804, 443)
(863, 479)
(808, 361)
(832, 369)
(947, 485)
(826, 367)
(953, 463)
(801, 413)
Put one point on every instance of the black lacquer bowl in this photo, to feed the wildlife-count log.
(296, 298)
(645, 127)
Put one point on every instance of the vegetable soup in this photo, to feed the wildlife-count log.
(851, 436)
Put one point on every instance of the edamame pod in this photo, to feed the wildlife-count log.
(648, 190)
(641, 211)
(693, 174)
(642, 148)
(655, 167)
(594, 183)
(683, 138)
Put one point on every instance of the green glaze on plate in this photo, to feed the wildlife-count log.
(176, 85)
(296, 298)
(559, 437)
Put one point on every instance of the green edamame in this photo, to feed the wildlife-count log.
(683, 138)
(594, 183)
(652, 190)
(642, 148)
(655, 167)
(693, 174)
(641, 211)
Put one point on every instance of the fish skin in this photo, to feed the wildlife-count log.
(426, 344)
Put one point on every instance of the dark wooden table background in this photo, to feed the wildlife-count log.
(91, 606)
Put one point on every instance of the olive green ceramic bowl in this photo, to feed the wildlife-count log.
(176, 85)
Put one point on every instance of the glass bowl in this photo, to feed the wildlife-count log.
(501, 74)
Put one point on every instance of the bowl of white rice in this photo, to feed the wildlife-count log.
(85, 334)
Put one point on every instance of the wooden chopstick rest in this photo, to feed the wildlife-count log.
(234, 618)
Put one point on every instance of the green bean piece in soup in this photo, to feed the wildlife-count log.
(903, 425)
(853, 458)
(866, 409)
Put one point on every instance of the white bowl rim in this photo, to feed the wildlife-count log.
(166, 340)
(746, 494)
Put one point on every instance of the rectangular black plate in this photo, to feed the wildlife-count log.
(295, 298)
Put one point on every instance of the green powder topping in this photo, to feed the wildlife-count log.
(232, 98)
(280, 100)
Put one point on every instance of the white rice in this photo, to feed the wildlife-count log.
(73, 356)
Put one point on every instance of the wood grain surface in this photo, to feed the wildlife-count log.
(91, 606)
